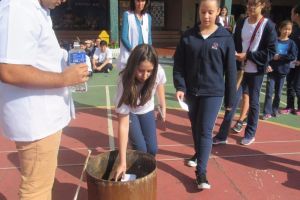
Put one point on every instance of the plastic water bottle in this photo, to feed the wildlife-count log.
(76, 56)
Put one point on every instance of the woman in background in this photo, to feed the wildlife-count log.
(226, 20)
(136, 29)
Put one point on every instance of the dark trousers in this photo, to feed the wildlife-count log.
(142, 132)
(293, 88)
(108, 67)
(203, 111)
(254, 83)
(226, 123)
(275, 83)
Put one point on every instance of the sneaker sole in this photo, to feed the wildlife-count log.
(191, 164)
(237, 131)
(247, 144)
(204, 186)
(223, 142)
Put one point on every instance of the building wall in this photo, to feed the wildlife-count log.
(188, 14)
(173, 17)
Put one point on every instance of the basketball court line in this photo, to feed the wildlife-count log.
(182, 159)
(109, 120)
(165, 145)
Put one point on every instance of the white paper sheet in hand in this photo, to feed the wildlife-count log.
(183, 105)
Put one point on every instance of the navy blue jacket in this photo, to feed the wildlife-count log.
(200, 64)
(266, 48)
(295, 36)
(282, 66)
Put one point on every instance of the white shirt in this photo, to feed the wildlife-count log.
(247, 33)
(147, 107)
(27, 37)
(102, 56)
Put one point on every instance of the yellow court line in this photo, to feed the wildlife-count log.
(282, 125)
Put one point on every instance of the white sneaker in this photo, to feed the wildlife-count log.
(192, 162)
(202, 182)
(247, 141)
(204, 186)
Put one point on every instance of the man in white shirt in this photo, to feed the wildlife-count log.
(35, 103)
(102, 59)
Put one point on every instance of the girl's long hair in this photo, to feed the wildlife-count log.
(132, 95)
(147, 5)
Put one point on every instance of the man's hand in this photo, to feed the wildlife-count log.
(75, 74)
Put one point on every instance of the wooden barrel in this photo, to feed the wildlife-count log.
(100, 173)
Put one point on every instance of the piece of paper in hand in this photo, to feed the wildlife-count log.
(128, 177)
(183, 105)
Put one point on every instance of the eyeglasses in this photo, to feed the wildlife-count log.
(253, 4)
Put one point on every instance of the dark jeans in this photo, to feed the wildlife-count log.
(274, 81)
(142, 132)
(226, 123)
(108, 67)
(203, 111)
(254, 82)
(293, 87)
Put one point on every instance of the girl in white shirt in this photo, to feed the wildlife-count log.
(139, 81)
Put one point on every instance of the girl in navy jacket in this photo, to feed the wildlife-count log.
(254, 57)
(204, 55)
(279, 68)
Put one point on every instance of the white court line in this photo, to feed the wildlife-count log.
(164, 145)
(109, 120)
(179, 159)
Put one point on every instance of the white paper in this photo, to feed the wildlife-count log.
(183, 105)
(128, 177)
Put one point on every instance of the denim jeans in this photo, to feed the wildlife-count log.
(203, 111)
(293, 88)
(254, 82)
(274, 81)
(142, 132)
(226, 123)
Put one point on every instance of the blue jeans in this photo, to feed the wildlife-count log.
(142, 132)
(203, 111)
(254, 82)
(293, 88)
(275, 81)
(226, 123)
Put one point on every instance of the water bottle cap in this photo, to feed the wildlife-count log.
(76, 44)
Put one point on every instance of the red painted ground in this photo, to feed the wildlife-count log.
(268, 169)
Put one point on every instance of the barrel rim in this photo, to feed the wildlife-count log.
(151, 174)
